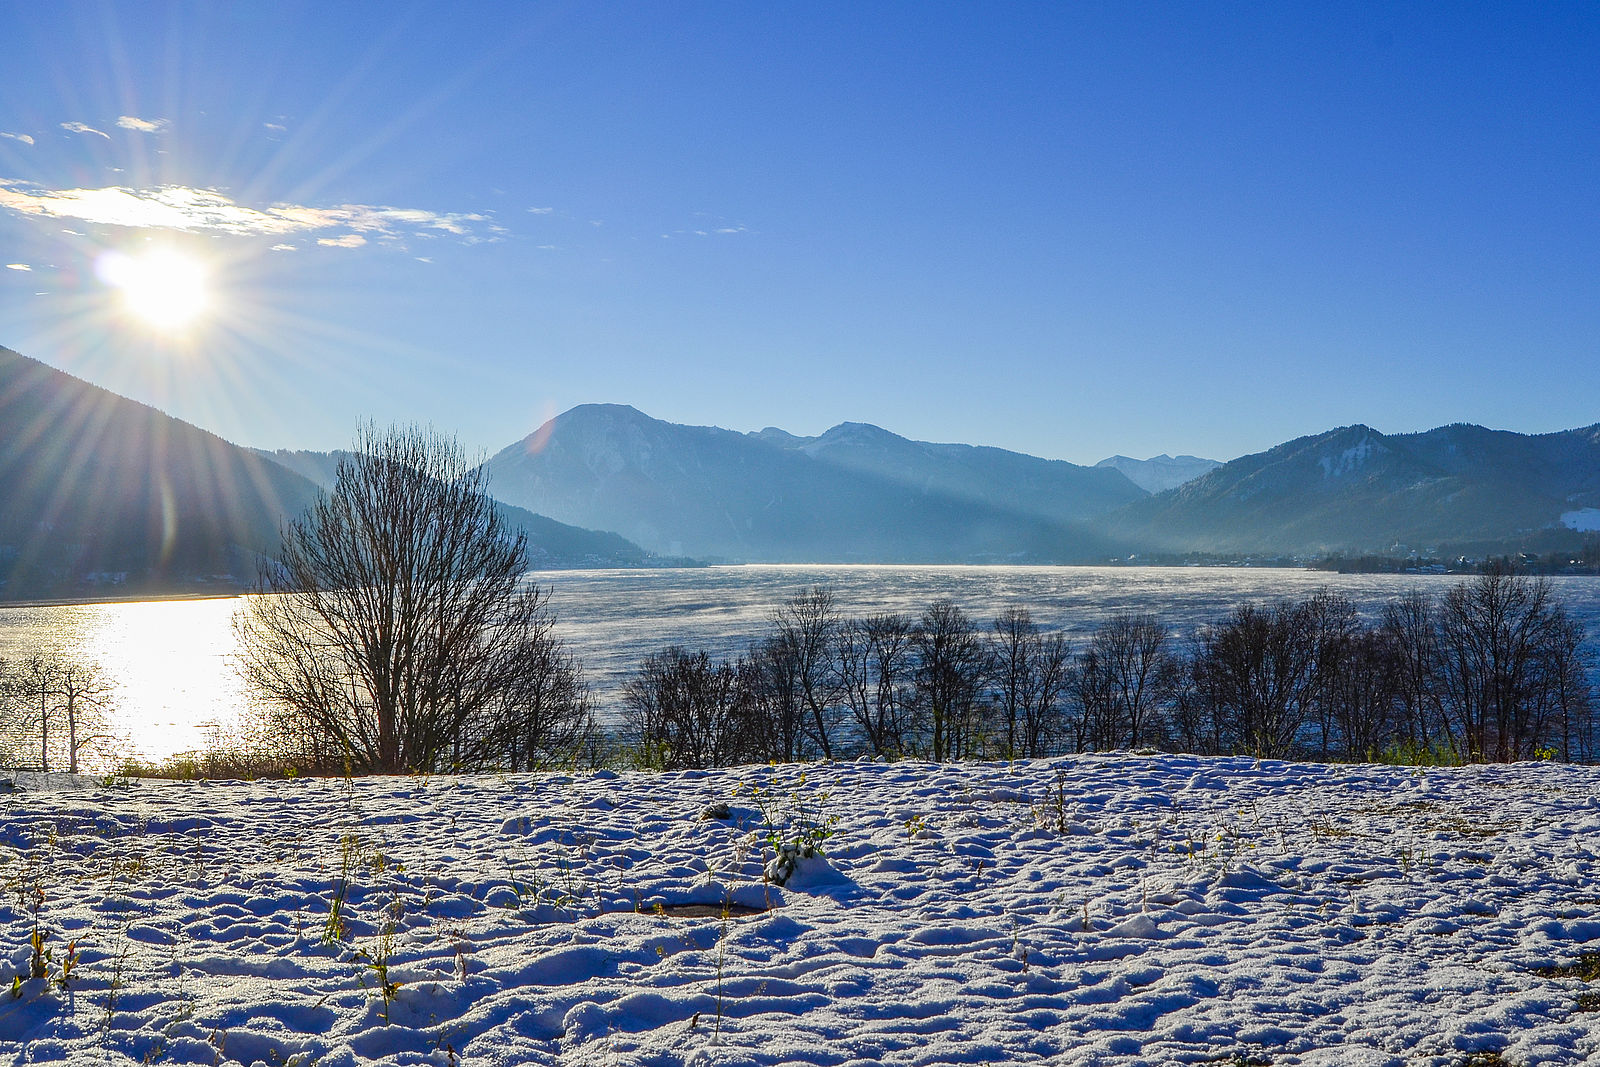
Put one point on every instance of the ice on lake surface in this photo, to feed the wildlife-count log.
(1115, 910)
(172, 660)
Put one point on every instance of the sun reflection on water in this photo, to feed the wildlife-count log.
(175, 662)
(171, 662)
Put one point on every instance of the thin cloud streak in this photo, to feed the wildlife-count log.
(78, 127)
(130, 122)
(177, 207)
(24, 138)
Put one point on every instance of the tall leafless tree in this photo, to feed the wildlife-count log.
(1504, 646)
(59, 704)
(799, 655)
(1361, 694)
(874, 664)
(1126, 678)
(1411, 623)
(1011, 645)
(398, 628)
(83, 695)
(951, 663)
(1257, 674)
(1030, 672)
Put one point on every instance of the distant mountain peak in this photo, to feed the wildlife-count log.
(1160, 473)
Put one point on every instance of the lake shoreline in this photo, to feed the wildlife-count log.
(126, 598)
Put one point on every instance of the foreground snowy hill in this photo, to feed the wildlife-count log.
(1097, 910)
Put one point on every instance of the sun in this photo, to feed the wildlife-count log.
(165, 289)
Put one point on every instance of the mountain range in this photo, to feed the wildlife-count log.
(854, 494)
(1354, 489)
(99, 494)
(99, 489)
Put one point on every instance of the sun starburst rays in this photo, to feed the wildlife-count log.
(163, 288)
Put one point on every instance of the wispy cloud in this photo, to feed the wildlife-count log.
(130, 122)
(541, 210)
(18, 266)
(284, 248)
(720, 231)
(24, 138)
(177, 207)
(78, 127)
(349, 240)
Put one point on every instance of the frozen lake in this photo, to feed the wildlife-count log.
(172, 660)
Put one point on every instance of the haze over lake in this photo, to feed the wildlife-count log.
(172, 660)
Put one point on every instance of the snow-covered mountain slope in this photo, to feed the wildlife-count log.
(1160, 473)
(1111, 910)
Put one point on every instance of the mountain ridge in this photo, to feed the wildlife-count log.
(551, 544)
(103, 491)
(856, 493)
(1356, 489)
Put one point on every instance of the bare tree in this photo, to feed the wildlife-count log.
(1030, 672)
(59, 704)
(780, 701)
(1257, 674)
(1361, 692)
(1504, 644)
(398, 628)
(83, 695)
(800, 655)
(1011, 646)
(873, 662)
(1567, 681)
(1126, 678)
(541, 716)
(34, 686)
(950, 666)
(1412, 625)
(682, 710)
(1330, 626)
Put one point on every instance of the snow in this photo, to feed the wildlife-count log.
(1116, 909)
(1348, 461)
(1585, 519)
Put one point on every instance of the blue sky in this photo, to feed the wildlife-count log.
(1067, 229)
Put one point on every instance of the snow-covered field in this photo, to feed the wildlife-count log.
(1111, 910)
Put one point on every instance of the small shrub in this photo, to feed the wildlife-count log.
(794, 827)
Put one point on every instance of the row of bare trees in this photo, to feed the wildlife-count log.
(53, 713)
(1491, 671)
(938, 686)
